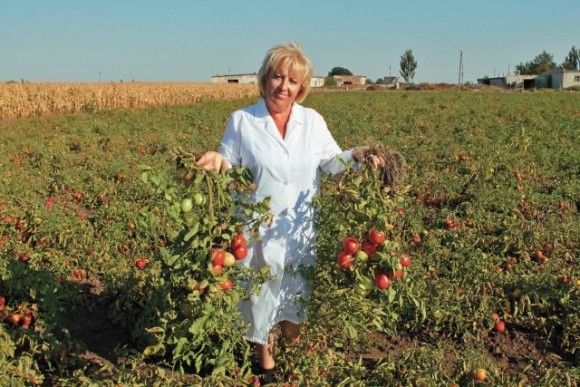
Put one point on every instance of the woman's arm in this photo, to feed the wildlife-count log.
(229, 150)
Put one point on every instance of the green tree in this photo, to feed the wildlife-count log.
(572, 61)
(339, 71)
(543, 62)
(329, 81)
(408, 66)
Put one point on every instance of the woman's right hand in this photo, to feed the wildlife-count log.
(213, 161)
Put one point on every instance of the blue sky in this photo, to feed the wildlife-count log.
(191, 40)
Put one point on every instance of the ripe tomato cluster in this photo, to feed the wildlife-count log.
(450, 224)
(23, 317)
(224, 258)
(385, 263)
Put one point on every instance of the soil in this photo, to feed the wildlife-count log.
(93, 330)
(511, 351)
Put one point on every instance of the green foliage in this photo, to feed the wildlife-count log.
(543, 62)
(408, 65)
(339, 71)
(330, 81)
(502, 166)
(179, 312)
(572, 61)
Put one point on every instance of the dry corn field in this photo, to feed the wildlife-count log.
(35, 99)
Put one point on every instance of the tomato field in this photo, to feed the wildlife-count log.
(118, 256)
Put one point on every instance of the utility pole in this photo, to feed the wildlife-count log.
(460, 76)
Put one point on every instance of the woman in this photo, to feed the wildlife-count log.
(285, 146)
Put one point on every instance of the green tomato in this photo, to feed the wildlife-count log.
(361, 256)
(186, 205)
(198, 199)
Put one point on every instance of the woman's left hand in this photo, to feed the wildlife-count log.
(362, 155)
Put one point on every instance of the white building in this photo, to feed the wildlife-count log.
(252, 79)
(347, 80)
(555, 79)
(563, 79)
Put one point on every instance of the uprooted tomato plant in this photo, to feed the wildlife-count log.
(181, 307)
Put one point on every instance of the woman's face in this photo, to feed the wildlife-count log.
(281, 89)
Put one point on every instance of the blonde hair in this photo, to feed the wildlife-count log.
(292, 55)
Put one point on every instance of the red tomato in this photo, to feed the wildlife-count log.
(344, 260)
(240, 252)
(399, 273)
(499, 326)
(369, 247)
(414, 239)
(50, 201)
(394, 275)
(238, 240)
(26, 321)
(405, 260)
(539, 256)
(140, 263)
(382, 281)
(350, 244)
(15, 318)
(227, 284)
(217, 270)
(218, 257)
(480, 374)
(2, 300)
(78, 195)
(449, 223)
(377, 237)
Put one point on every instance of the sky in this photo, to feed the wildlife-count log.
(191, 40)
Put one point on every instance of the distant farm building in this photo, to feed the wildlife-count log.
(252, 79)
(555, 79)
(317, 81)
(249, 79)
(392, 82)
(347, 80)
(563, 79)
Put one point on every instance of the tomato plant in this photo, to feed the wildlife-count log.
(191, 296)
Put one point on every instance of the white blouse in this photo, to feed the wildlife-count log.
(288, 171)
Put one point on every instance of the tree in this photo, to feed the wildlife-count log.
(339, 71)
(542, 63)
(329, 81)
(572, 61)
(408, 66)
